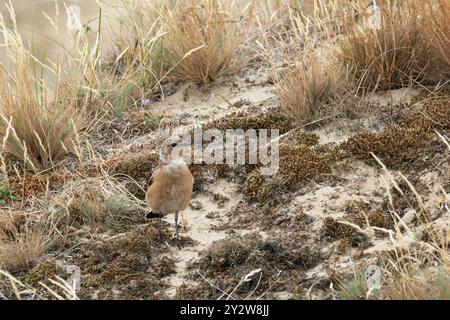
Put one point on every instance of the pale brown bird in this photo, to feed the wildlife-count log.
(171, 186)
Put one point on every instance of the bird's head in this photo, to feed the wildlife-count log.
(172, 149)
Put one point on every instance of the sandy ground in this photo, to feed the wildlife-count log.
(200, 224)
(212, 215)
(358, 181)
(220, 211)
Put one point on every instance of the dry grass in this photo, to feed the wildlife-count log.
(412, 281)
(57, 288)
(397, 55)
(420, 270)
(203, 38)
(311, 84)
(100, 203)
(403, 280)
(9, 221)
(438, 15)
(322, 16)
(133, 70)
(417, 267)
(23, 250)
(309, 90)
(93, 219)
(37, 125)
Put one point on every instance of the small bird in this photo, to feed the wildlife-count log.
(172, 182)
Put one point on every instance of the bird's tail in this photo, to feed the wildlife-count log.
(153, 215)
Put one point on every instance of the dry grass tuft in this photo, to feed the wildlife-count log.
(397, 55)
(413, 281)
(37, 125)
(407, 276)
(102, 204)
(416, 266)
(23, 250)
(310, 83)
(438, 14)
(203, 38)
(309, 90)
(133, 69)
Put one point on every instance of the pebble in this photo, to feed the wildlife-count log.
(195, 205)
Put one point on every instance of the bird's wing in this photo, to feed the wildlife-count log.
(153, 174)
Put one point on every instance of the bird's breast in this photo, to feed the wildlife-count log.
(175, 168)
(171, 189)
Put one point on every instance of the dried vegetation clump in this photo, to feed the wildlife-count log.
(395, 55)
(42, 272)
(310, 90)
(299, 163)
(241, 121)
(311, 84)
(332, 230)
(21, 248)
(100, 205)
(31, 185)
(366, 215)
(57, 210)
(361, 214)
(250, 267)
(407, 276)
(38, 126)
(246, 121)
(138, 166)
(398, 148)
(203, 39)
(269, 217)
(23, 241)
(129, 267)
(433, 113)
(410, 145)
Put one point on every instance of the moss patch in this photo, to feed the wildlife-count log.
(245, 121)
(433, 112)
(299, 137)
(262, 188)
(298, 164)
(332, 230)
(359, 213)
(276, 265)
(41, 272)
(131, 267)
(35, 185)
(404, 149)
(412, 144)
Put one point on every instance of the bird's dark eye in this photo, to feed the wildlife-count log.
(173, 145)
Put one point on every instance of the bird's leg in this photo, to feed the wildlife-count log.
(176, 226)
(159, 227)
